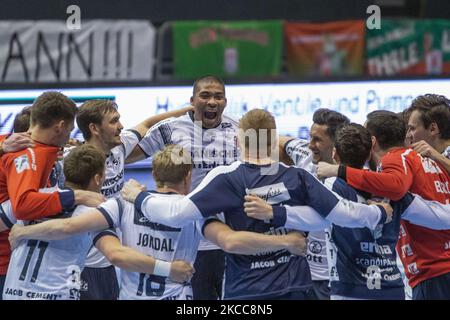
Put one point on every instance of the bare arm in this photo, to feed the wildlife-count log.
(282, 140)
(57, 229)
(16, 142)
(134, 261)
(137, 154)
(143, 127)
(244, 242)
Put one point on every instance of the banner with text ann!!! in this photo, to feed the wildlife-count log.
(101, 50)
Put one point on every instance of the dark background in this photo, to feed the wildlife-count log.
(158, 11)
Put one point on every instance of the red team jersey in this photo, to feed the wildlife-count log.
(22, 173)
(425, 253)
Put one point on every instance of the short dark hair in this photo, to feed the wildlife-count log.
(93, 111)
(332, 119)
(51, 107)
(22, 120)
(387, 127)
(82, 164)
(207, 78)
(353, 144)
(434, 108)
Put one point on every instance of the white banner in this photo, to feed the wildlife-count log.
(292, 105)
(101, 50)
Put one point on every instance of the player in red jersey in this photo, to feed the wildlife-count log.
(22, 173)
(429, 128)
(425, 253)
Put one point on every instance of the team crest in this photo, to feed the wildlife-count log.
(22, 163)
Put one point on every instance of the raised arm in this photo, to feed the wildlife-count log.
(426, 150)
(57, 229)
(142, 128)
(249, 243)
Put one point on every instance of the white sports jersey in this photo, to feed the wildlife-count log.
(301, 155)
(114, 180)
(446, 152)
(209, 147)
(46, 270)
(159, 241)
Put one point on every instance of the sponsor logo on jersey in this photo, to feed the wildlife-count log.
(22, 163)
(315, 247)
(402, 232)
(442, 187)
(412, 268)
(447, 245)
(141, 220)
(429, 166)
(406, 251)
(274, 193)
(372, 247)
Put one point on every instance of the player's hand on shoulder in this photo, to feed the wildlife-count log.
(17, 141)
(181, 271)
(425, 150)
(326, 170)
(15, 236)
(297, 243)
(89, 198)
(257, 208)
(131, 190)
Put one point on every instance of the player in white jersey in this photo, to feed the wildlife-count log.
(306, 155)
(50, 270)
(99, 122)
(160, 241)
(211, 138)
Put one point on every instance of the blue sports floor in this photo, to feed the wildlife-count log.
(144, 176)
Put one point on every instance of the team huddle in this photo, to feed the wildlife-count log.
(356, 212)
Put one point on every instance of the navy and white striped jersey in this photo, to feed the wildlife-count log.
(46, 270)
(363, 264)
(273, 273)
(113, 184)
(159, 241)
(363, 261)
(298, 150)
(209, 147)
